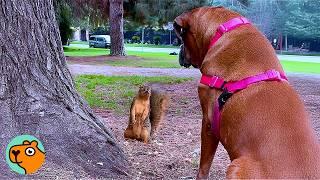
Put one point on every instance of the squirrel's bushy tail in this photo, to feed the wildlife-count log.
(159, 102)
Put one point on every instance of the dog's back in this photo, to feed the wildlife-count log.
(276, 141)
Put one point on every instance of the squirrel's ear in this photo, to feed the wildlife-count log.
(34, 143)
(26, 142)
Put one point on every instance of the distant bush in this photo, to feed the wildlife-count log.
(156, 40)
(135, 39)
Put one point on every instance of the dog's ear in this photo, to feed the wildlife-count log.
(181, 24)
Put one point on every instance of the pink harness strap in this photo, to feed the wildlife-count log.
(228, 26)
(229, 88)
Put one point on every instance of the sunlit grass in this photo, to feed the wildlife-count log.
(116, 92)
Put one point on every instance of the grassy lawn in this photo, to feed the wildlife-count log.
(72, 51)
(79, 42)
(164, 60)
(301, 67)
(149, 59)
(151, 46)
(116, 92)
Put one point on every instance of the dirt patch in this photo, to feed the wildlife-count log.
(96, 60)
(175, 153)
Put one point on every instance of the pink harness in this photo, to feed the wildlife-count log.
(229, 88)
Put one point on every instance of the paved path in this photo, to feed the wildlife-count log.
(78, 69)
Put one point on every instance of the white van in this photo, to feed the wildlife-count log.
(99, 41)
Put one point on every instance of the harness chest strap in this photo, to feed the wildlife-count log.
(229, 88)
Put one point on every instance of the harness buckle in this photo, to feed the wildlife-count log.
(273, 74)
(224, 96)
(213, 81)
(222, 29)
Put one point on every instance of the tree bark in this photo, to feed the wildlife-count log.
(116, 28)
(37, 97)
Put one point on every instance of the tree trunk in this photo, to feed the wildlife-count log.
(37, 97)
(116, 28)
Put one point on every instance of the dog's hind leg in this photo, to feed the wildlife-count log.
(244, 168)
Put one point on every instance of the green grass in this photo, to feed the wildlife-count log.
(149, 59)
(116, 92)
(298, 54)
(72, 51)
(151, 46)
(79, 42)
(164, 60)
(301, 67)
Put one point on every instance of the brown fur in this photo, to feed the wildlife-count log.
(148, 103)
(159, 102)
(139, 112)
(264, 128)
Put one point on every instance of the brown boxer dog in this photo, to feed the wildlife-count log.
(264, 128)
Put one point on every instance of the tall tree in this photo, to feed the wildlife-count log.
(116, 28)
(303, 18)
(99, 12)
(37, 97)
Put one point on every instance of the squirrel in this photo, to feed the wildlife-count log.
(139, 113)
(147, 109)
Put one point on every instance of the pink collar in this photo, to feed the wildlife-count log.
(228, 26)
(229, 88)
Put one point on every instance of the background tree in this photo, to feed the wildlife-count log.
(37, 97)
(99, 12)
(296, 19)
(116, 28)
(64, 19)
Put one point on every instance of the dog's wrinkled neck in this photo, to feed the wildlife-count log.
(239, 54)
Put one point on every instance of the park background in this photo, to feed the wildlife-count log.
(76, 99)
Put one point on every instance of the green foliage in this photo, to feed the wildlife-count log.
(136, 39)
(116, 92)
(295, 18)
(303, 18)
(240, 6)
(158, 12)
(64, 18)
(156, 40)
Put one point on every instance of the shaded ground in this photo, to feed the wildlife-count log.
(175, 154)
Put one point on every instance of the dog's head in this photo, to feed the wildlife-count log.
(195, 29)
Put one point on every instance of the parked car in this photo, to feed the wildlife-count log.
(99, 41)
